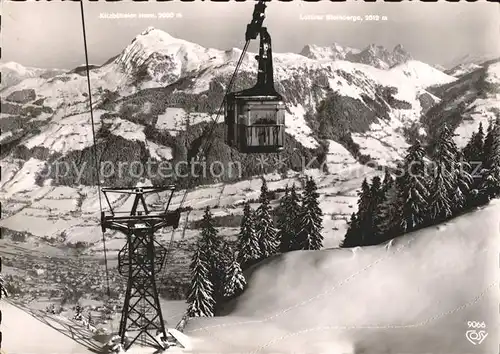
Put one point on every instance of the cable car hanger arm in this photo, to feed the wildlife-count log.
(254, 28)
(265, 80)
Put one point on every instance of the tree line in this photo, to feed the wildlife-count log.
(217, 269)
(428, 188)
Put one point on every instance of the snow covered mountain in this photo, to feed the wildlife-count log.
(332, 52)
(13, 73)
(472, 99)
(463, 69)
(373, 55)
(185, 76)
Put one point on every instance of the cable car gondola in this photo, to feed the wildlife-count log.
(255, 117)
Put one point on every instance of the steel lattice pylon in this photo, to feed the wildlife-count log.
(140, 260)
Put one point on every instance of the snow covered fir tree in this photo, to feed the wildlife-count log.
(216, 274)
(201, 292)
(428, 190)
(309, 220)
(267, 234)
(248, 243)
(217, 271)
(288, 217)
(234, 282)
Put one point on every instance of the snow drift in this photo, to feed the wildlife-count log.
(414, 294)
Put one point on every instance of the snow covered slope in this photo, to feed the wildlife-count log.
(23, 333)
(374, 55)
(29, 331)
(13, 73)
(422, 74)
(417, 291)
(155, 59)
(472, 99)
(463, 69)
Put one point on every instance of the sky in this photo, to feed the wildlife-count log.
(49, 34)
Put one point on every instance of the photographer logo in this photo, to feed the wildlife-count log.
(476, 335)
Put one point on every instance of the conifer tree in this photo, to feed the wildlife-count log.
(412, 189)
(200, 296)
(471, 168)
(461, 197)
(311, 218)
(473, 151)
(220, 272)
(490, 180)
(289, 225)
(468, 150)
(444, 182)
(378, 215)
(388, 223)
(364, 216)
(352, 237)
(266, 232)
(214, 250)
(209, 236)
(283, 221)
(294, 210)
(439, 197)
(387, 182)
(235, 280)
(376, 191)
(248, 242)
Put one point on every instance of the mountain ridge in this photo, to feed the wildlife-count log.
(185, 75)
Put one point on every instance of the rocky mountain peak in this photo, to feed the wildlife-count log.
(334, 51)
(374, 54)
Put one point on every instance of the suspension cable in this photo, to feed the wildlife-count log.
(97, 162)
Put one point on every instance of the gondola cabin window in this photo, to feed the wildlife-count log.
(261, 125)
(265, 125)
(255, 124)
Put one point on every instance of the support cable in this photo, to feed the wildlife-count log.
(96, 161)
